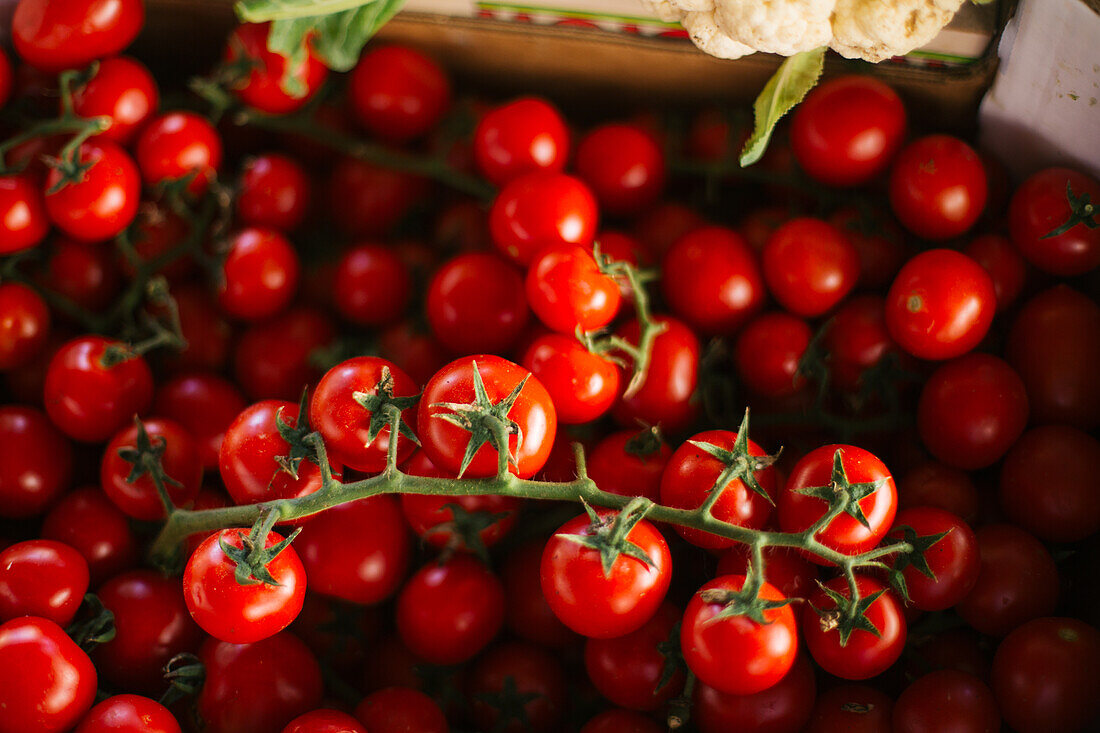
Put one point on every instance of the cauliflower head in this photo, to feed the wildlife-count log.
(875, 30)
(785, 27)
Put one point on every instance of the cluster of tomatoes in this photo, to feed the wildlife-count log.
(865, 284)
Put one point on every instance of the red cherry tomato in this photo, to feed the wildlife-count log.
(540, 209)
(940, 305)
(55, 36)
(521, 136)
(582, 385)
(372, 285)
(86, 520)
(103, 202)
(953, 560)
(866, 654)
(176, 145)
(809, 266)
(938, 187)
(398, 93)
(398, 709)
(628, 670)
(24, 325)
(409, 345)
(180, 460)
(785, 569)
(23, 218)
(86, 273)
(567, 291)
(536, 675)
(629, 463)
(205, 405)
(122, 89)
(946, 699)
(259, 275)
(476, 303)
(624, 165)
(938, 485)
(665, 397)
(42, 578)
(1040, 206)
(366, 200)
(274, 192)
(35, 462)
(768, 352)
(851, 709)
(128, 714)
(1005, 266)
(857, 339)
(265, 82)
(785, 706)
(273, 358)
(526, 612)
(324, 721)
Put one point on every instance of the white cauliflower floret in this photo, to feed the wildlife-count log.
(706, 35)
(876, 30)
(785, 27)
(666, 10)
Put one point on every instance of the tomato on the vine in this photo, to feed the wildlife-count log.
(624, 165)
(179, 459)
(665, 397)
(367, 200)
(372, 285)
(273, 359)
(768, 353)
(630, 670)
(526, 613)
(205, 404)
(1005, 266)
(42, 578)
(86, 520)
(397, 93)
(104, 198)
(397, 709)
(629, 463)
(540, 209)
(24, 221)
(583, 386)
(128, 714)
(476, 302)
(324, 721)
(264, 81)
(1040, 206)
(53, 36)
(259, 275)
(784, 568)
(953, 559)
(536, 678)
(947, 699)
(809, 266)
(274, 192)
(524, 135)
(782, 708)
(25, 325)
(122, 89)
(865, 654)
(567, 291)
(938, 187)
(178, 145)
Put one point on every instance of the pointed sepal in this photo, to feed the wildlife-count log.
(607, 534)
(841, 493)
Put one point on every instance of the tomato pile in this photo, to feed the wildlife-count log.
(305, 375)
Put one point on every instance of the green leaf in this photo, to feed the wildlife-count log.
(337, 38)
(787, 87)
(258, 11)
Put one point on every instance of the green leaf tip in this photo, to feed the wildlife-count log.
(790, 84)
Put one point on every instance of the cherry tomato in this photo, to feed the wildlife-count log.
(621, 721)
(857, 339)
(1040, 206)
(1044, 676)
(274, 192)
(536, 676)
(86, 520)
(265, 83)
(624, 165)
(55, 36)
(540, 209)
(357, 552)
(372, 285)
(851, 709)
(128, 714)
(665, 397)
(526, 612)
(42, 578)
(448, 612)
(938, 485)
(47, 682)
(629, 463)
(103, 201)
(847, 130)
(785, 569)
(86, 273)
(397, 93)
(953, 560)
(532, 412)
(946, 699)
(366, 200)
(878, 241)
(1005, 266)
(180, 461)
(809, 266)
(582, 385)
(259, 275)
(567, 291)
(866, 654)
(324, 721)
(711, 279)
(35, 462)
(24, 325)
(940, 305)
(782, 708)
(23, 217)
(628, 670)
(604, 605)
(768, 352)
(1018, 581)
(273, 358)
(521, 136)
(411, 346)
(399, 709)
(176, 145)
(122, 89)
(971, 411)
(938, 187)
(845, 534)
(476, 303)
(205, 405)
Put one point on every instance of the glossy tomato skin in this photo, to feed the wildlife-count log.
(90, 402)
(205, 404)
(1065, 462)
(857, 340)
(24, 326)
(665, 396)
(477, 303)
(257, 688)
(768, 352)
(938, 187)
(940, 305)
(535, 672)
(448, 612)
(953, 560)
(617, 720)
(1005, 266)
(1017, 582)
(526, 612)
(179, 144)
(847, 130)
(866, 655)
(242, 614)
(1038, 207)
(711, 279)
(1044, 676)
(946, 699)
(24, 220)
(180, 461)
(628, 670)
(128, 714)
(690, 475)
(42, 578)
(604, 606)
(567, 291)
(105, 199)
(35, 462)
(582, 385)
(398, 93)
(324, 721)
(260, 274)
(785, 569)
(737, 655)
(86, 520)
(851, 709)
(123, 89)
(345, 424)
(274, 192)
(397, 709)
(540, 209)
(845, 534)
(47, 682)
(372, 286)
(272, 357)
(533, 411)
(782, 708)
(54, 36)
(809, 266)
(521, 136)
(624, 165)
(629, 463)
(262, 87)
(971, 411)
(357, 552)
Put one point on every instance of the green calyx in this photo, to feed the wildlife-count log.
(1082, 211)
(914, 557)
(382, 404)
(848, 615)
(645, 442)
(745, 602)
(608, 535)
(252, 557)
(465, 529)
(842, 495)
(510, 704)
(296, 437)
(739, 464)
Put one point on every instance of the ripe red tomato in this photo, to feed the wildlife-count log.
(103, 201)
(411, 346)
(946, 699)
(971, 411)
(938, 187)
(691, 474)
(273, 358)
(139, 499)
(89, 401)
(567, 291)
(151, 626)
(1044, 676)
(372, 285)
(878, 241)
(324, 721)
(397, 93)
(809, 266)
(42, 578)
(536, 676)
(711, 279)
(851, 709)
(35, 462)
(398, 709)
(540, 209)
(865, 655)
(1005, 266)
(953, 560)
(935, 484)
(237, 613)
(599, 605)
(274, 192)
(205, 404)
(259, 275)
(53, 36)
(856, 340)
(24, 325)
(847, 130)
(629, 463)
(263, 83)
(476, 303)
(86, 520)
(24, 221)
(86, 273)
(357, 552)
(618, 720)
(787, 570)
(521, 136)
(624, 165)
(782, 708)
(123, 89)
(665, 397)
(526, 613)
(179, 144)
(1039, 206)
(1066, 461)
(628, 670)
(582, 385)
(768, 352)
(532, 412)
(366, 200)
(735, 654)
(128, 714)
(1018, 581)
(47, 682)
(940, 305)
(257, 688)
(798, 510)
